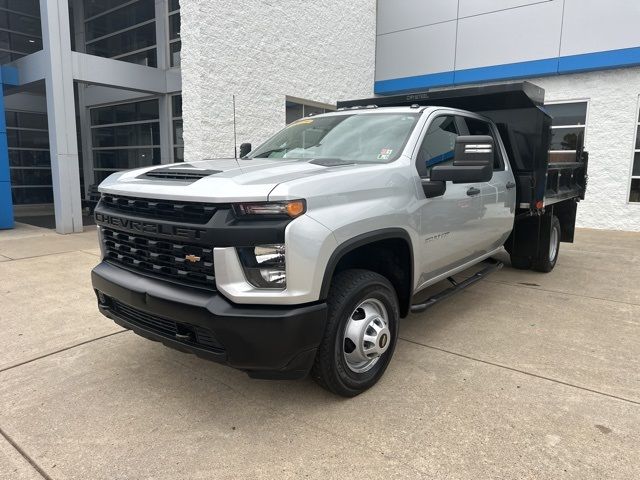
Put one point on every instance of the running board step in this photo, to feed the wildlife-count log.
(457, 286)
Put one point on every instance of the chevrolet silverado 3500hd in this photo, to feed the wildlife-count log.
(302, 255)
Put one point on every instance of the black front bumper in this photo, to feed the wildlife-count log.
(266, 341)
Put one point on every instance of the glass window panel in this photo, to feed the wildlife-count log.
(174, 26)
(127, 135)
(29, 158)
(568, 113)
(11, 118)
(638, 138)
(174, 5)
(95, 7)
(177, 132)
(147, 110)
(176, 105)
(34, 176)
(120, 19)
(636, 165)
(126, 158)
(23, 196)
(20, 23)
(567, 138)
(31, 120)
(178, 154)
(125, 112)
(30, 7)
(293, 111)
(175, 53)
(136, 39)
(19, 43)
(148, 58)
(27, 139)
(634, 195)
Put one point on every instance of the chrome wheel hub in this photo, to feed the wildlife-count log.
(366, 335)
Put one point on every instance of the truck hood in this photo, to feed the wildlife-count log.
(218, 180)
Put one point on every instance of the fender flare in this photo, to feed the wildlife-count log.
(360, 241)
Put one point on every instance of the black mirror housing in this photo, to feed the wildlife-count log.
(461, 173)
(472, 161)
(432, 188)
(245, 148)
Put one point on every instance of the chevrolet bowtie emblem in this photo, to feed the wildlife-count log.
(192, 258)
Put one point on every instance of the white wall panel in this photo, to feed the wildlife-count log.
(510, 36)
(478, 7)
(394, 15)
(597, 25)
(419, 51)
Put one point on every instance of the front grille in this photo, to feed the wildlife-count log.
(189, 334)
(163, 259)
(172, 210)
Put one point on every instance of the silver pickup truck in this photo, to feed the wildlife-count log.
(302, 255)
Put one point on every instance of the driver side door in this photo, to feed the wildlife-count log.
(448, 223)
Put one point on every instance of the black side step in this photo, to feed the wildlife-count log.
(457, 287)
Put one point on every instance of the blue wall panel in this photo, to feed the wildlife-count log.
(8, 76)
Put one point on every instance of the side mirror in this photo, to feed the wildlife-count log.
(433, 189)
(472, 161)
(245, 148)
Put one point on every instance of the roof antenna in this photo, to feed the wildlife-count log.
(235, 141)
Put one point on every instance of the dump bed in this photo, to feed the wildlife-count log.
(525, 127)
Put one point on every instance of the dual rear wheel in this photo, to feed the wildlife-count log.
(547, 252)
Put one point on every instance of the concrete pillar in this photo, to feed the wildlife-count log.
(61, 113)
(164, 103)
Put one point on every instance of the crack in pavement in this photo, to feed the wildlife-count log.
(542, 289)
(25, 455)
(524, 372)
(61, 350)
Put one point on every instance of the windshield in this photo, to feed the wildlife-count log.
(371, 137)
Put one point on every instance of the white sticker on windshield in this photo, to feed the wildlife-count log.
(385, 154)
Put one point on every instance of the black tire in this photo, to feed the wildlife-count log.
(348, 289)
(521, 263)
(546, 259)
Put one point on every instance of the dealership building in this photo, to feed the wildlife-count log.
(96, 86)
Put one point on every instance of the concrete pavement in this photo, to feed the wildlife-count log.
(524, 375)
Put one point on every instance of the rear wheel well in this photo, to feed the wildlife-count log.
(391, 258)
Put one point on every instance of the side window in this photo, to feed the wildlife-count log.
(480, 127)
(438, 144)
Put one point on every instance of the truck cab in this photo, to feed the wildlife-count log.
(303, 255)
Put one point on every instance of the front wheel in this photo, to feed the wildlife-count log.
(361, 333)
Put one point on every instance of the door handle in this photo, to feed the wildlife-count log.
(473, 191)
(510, 185)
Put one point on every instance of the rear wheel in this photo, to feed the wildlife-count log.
(521, 263)
(548, 253)
(361, 333)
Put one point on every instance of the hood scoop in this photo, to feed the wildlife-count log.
(331, 162)
(184, 174)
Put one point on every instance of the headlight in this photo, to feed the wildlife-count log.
(291, 209)
(264, 265)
